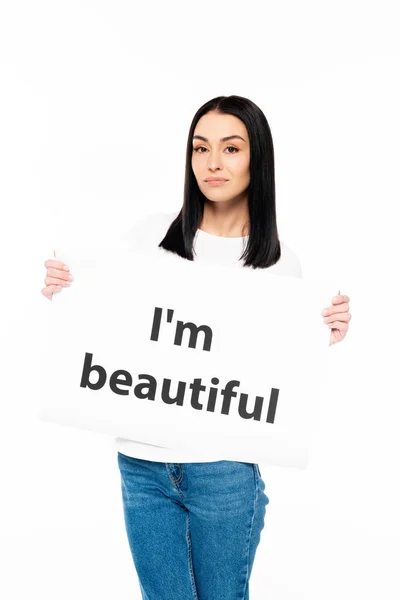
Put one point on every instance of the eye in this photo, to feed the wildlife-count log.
(199, 147)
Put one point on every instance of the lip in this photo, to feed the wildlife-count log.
(216, 183)
(211, 179)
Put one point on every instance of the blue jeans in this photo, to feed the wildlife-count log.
(193, 528)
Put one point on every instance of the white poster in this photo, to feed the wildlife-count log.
(187, 355)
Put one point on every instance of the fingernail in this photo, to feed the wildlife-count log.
(325, 311)
(70, 277)
(65, 268)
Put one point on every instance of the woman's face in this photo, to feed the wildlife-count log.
(214, 157)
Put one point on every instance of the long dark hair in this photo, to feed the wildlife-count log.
(263, 247)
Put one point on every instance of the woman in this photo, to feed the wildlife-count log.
(194, 525)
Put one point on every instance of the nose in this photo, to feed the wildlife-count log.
(214, 162)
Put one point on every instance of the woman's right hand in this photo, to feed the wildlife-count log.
(57, 277)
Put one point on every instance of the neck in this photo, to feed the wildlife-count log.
(227, 219)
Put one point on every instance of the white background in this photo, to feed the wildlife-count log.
(96, 103)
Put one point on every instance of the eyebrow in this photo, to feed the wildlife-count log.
(224, 139)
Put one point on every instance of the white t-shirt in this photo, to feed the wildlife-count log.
(145, 236)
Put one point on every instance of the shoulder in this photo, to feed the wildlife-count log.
(289, 262)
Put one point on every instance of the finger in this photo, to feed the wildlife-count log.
(59, 273)
(334, 318)
(57, 281)
(340, 298)
(58, 264)
(339, 308)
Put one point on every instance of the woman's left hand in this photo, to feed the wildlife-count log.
(337, 317)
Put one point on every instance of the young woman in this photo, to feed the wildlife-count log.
(193, 524)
